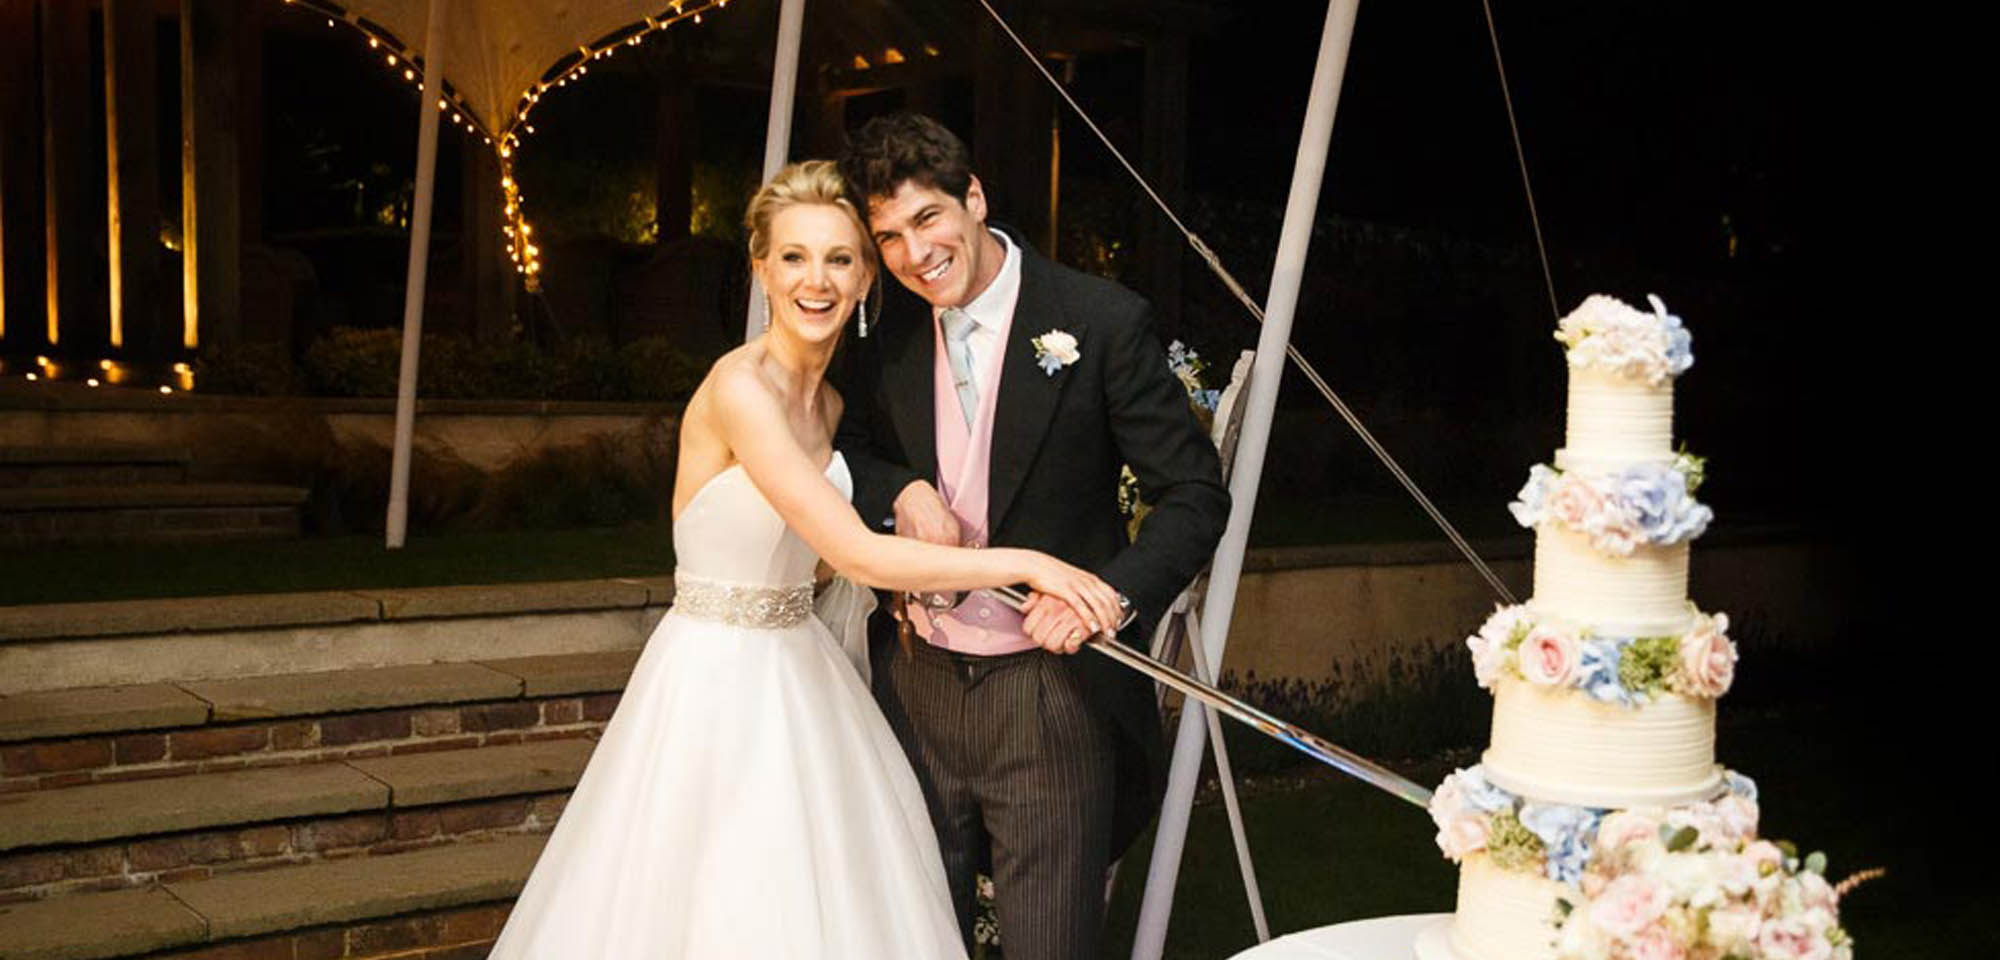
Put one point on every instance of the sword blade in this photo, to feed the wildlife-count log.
(1297, 737)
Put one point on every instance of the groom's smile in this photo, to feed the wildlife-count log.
(936, 245)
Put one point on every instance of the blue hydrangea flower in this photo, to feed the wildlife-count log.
(1680, 343)
(1597, 670)
(1656, 495)
(1481, 793)
(1567, 834)
(1740, 785)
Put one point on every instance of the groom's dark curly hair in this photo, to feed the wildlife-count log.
(891, 149)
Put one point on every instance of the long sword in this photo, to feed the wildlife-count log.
(1291, 734)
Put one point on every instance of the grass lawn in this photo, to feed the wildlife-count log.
(1329, 849)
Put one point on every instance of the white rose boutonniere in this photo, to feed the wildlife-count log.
(1055, 350)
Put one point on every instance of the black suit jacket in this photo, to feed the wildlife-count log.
(1058, 443)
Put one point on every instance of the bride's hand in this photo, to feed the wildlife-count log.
(1091, 598)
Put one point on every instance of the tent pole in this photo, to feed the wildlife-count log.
(413, 293)
(1220, 604)
(778, 128)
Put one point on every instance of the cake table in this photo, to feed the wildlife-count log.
(1377, 938)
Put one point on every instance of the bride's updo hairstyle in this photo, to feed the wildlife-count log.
(815, 182)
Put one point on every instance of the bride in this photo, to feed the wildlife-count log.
(747, 799)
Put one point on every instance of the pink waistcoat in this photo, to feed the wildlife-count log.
(980, 625)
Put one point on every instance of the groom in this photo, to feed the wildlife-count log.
(994, 406)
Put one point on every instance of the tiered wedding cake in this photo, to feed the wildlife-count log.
(1597, 824)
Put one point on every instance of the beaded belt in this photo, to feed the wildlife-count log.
(742, 605)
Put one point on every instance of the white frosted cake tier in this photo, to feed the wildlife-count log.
(1561, 746)
(1613, 418)
(1502, 915)
(1641, 595)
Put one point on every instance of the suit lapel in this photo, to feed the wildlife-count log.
(907, 388)
(1027, 401)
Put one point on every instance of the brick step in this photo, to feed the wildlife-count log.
(64, 738)
(154, 512)
(63, 466)
(427, 904)
(105, 836)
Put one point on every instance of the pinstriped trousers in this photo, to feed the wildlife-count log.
(1018, 774)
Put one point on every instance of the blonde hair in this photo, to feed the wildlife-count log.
(814, 182)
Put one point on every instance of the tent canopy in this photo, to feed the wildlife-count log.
(497, 51)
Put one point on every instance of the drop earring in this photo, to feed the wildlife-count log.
(861, 316)
(767, 312)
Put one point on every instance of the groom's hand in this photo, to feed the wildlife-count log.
(1054, 625)
(921, 514)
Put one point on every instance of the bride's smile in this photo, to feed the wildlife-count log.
(814, 274)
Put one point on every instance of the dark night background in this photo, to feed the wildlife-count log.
(1688, 150)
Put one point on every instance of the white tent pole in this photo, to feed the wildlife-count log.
(778, 128)
(1220, 604)
(413, 291)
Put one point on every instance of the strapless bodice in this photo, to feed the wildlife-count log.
(728, 533)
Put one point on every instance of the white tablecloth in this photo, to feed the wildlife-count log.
(1379, 938)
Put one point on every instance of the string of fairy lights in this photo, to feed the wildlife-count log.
(506, 141)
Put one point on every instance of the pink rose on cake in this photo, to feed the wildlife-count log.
(1548, 656)
(1626, 828)
(1462, 836)
(1792, 938)
(1708, 658)
(1574, 502)
(1658, 943)
(1630, 904)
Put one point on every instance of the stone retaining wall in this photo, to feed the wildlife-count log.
(220, 431)
(199, 854)
(1306, 613)
(65, 762)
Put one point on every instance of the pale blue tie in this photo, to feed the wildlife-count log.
(958, 327)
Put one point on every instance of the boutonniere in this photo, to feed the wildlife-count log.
(1055, 350)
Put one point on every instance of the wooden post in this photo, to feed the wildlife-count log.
(211, 211)
(67, 217)
(22, 328)
(1163, 156)
(132, 161)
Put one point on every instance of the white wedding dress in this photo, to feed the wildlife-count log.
(747, 800)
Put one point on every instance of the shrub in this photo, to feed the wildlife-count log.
(656, 369)
(245, 369)
(349, 362)
(605, 481)
(364, 363)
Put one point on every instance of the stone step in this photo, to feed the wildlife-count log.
(356, 907)
(62, 466)
(64, 738)
(100, 812)
(60, 646)
(152, 513)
